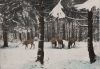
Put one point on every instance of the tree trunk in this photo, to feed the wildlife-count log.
(20, 36)
(5, 33)
(90, 38)
(47, 33)
(40, 54)
(80, 34)
(5, 38)
(32, 36)
(15, 35)
(53, 30)
(64, 36)
(73, 31)
(28, 35)
(68, 31)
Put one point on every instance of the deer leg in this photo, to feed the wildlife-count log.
(31, 46)
(52, 45)
(62, 45)
(74, 45)
(26, 46)
(69, 45)
(59, 45)
(55, 44)
(34, 45)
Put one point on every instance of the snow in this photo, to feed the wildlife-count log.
(57, 11)
(17, 57)
(89, 4)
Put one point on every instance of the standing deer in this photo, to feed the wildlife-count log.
(60, 43)
(71, 43)
(29, 42)
(54, 42)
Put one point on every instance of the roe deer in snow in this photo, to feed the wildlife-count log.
(54, 42)
(29, 42)
(71, 42)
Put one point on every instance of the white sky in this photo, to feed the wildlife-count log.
(89, 4)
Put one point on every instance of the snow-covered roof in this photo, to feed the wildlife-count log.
(89, 4)
(57, 11)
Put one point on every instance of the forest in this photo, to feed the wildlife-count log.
(39, 32)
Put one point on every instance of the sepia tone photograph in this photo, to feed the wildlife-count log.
(49, 34)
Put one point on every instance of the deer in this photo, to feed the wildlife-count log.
(54, 42)
(60, 43)
(71, 42)
(30, 41)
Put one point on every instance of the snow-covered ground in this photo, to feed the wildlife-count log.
(16, 57)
